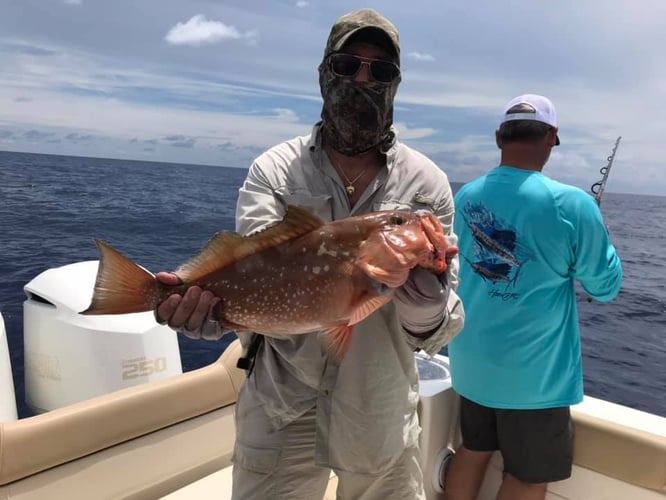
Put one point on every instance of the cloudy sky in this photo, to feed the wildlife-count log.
(217, 82)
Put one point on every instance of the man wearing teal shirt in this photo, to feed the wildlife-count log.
(524, 240)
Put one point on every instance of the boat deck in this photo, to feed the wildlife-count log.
(218, 485)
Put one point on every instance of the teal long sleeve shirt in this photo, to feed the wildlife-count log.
(524, 239)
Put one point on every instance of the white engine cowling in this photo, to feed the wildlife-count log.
(70, 357)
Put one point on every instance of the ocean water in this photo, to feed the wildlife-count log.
(160, 214)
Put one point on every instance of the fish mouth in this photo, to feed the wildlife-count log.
(403, 242)
(422, 240)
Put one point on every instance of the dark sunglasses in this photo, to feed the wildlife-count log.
(348, 66)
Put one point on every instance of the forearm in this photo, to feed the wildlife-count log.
(597, 265)
(606, 285)
(451, 324)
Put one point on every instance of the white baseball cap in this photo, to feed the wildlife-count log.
(538, 108)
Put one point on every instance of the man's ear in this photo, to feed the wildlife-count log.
(498, 139)
(552, 137)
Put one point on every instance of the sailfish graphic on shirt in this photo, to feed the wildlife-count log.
(497, 254)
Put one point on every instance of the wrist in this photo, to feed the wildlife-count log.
(425, 327)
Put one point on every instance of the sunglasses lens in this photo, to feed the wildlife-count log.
(384, 71)
(345, 64)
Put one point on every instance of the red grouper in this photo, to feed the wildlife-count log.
(299, 275)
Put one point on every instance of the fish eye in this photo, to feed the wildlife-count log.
(397, 220)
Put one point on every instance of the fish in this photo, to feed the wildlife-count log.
(297, 276)
(495, 243)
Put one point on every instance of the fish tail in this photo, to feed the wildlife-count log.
(122, 286)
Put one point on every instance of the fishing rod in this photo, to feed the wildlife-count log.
(598, 188)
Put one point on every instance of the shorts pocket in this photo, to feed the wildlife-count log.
(259, 460)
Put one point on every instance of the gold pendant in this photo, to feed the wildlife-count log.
(350, 190)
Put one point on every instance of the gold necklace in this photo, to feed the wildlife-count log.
(350, 184)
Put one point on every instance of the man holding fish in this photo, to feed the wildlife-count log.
(351, 407)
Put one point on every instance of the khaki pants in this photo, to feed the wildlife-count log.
(279, 465)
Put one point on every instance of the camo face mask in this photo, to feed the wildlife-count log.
(357, 116)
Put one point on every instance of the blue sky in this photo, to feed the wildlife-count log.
(211, 82)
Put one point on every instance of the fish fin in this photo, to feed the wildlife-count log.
(368, 307)
(337, 341)
(224, 248)
(121, 285)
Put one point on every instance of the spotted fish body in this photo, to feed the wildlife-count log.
(298, 276)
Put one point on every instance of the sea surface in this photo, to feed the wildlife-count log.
(160, 214)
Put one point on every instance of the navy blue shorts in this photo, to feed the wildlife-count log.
(536, 445)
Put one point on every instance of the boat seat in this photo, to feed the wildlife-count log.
(617, 448)
(120, 422)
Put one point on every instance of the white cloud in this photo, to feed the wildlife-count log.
(199, 30)
(184, 135)
(286, 114)
(406, 133)
(229, 104)
(420, 56)
(73, 2)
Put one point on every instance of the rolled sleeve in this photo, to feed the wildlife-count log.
(453, 321)
(258, 204)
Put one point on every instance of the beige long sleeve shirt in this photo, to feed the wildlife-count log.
(366, 406)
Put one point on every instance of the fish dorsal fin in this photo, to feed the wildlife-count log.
(227, 247)
(368, 307)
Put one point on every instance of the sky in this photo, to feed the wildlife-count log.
(218, 82)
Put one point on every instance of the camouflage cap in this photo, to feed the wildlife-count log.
(359, 20)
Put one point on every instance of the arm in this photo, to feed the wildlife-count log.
(596, 265)
(258, 204)
(429, 310)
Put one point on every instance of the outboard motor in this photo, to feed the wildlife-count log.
(70, 357)
(438, 409)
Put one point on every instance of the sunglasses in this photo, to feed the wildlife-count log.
(348, 66)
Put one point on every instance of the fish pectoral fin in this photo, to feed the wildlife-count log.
(366, 308)
(337, 340)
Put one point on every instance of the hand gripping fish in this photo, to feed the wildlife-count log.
(298, 276)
